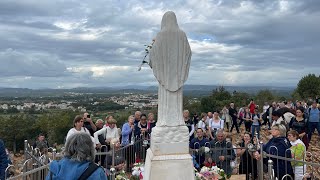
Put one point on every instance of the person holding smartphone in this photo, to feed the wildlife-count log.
(89, 124)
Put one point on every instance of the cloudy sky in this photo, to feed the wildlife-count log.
(77, 43)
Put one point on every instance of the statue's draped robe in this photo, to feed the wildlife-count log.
(170, 60)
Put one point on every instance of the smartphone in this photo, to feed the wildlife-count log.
(88, 116)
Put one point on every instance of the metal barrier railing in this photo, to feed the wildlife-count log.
(248, 165)
(34, 164)
(114, 159)
(117, 158)
(38, 173)
(120, 159)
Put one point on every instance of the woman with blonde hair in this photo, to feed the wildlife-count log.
(151, 122)
(127, 141)
(189, 123)
(202, 122)
(226, 117)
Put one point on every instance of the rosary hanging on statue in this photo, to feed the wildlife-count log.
(147, 50)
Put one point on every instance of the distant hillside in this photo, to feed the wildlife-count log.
(189, 90)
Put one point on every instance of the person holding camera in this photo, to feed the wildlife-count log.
(252, 106)
(215, 124)
(87, 123)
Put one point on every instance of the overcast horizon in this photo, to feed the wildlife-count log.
(68, 44)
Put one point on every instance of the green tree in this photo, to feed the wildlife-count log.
(240, 99)
(16, 128)
(295, 95)
(309, 86)
(193, 105)
(264, 96)
(219, 98)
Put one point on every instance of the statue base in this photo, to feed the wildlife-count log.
(168, 167)
(168, 156)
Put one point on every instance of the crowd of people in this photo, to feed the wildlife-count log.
(291, 126)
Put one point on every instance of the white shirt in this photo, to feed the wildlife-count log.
(74, 130)
(278, 121)
(208, 120)
(202, 125)
(107, 132)
(216, 125)
(265, 108)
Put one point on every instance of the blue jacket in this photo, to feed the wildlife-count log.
(279, 146)
(126, 131)
(3, 160)
(72, 170)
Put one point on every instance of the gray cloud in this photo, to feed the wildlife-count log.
(68, 43)
(15, 63)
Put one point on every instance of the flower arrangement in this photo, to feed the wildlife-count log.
(203, 149)
(137, 171)
(122, 176)
(147, 51)
(213, 173)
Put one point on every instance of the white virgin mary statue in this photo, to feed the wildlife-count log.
(170, 58)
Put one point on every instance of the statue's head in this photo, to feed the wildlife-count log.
(169, 21)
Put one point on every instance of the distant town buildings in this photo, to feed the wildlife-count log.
(128, 100)
(136, 100)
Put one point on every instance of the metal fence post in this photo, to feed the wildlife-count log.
(113, 154)
(25, 149)
(25, 157)
(270, 169)
(113, 170)
(54, 154)
(260, 164)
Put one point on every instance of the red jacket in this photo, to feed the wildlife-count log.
(252, 107)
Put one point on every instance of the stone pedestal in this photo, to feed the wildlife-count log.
(168, 157)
